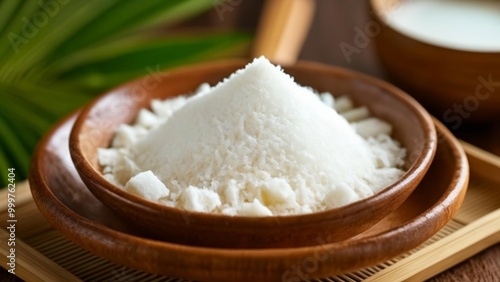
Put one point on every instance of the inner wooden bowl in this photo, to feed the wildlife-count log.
(95, 127)
(455, 85)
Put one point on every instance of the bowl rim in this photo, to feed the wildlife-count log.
(415, 171)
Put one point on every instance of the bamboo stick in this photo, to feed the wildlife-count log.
(282, 29)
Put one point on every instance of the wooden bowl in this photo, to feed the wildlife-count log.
(69, 206)
(95, 126)
(450, 83)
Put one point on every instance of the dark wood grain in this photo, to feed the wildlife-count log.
(5, 276)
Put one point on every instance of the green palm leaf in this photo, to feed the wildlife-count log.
(83, 48)
(147, 55)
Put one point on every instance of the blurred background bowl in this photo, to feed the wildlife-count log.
(96, 124)
(450, 83)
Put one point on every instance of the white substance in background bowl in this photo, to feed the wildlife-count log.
(469, 25)
(256, 144)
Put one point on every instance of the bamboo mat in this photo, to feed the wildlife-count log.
(43, 254)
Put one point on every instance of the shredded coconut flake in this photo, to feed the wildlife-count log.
(256, 144)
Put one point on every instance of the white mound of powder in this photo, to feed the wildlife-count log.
(256, 144)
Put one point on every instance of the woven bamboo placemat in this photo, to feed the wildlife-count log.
(43, 254)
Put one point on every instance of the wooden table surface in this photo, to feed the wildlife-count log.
(334, 23)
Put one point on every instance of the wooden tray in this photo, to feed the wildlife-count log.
(43, 254)
(64, 200)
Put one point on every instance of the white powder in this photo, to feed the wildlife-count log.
(256, 144)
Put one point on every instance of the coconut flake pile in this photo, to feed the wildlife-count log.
(256, 144)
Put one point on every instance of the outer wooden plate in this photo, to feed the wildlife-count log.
(68, 205)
